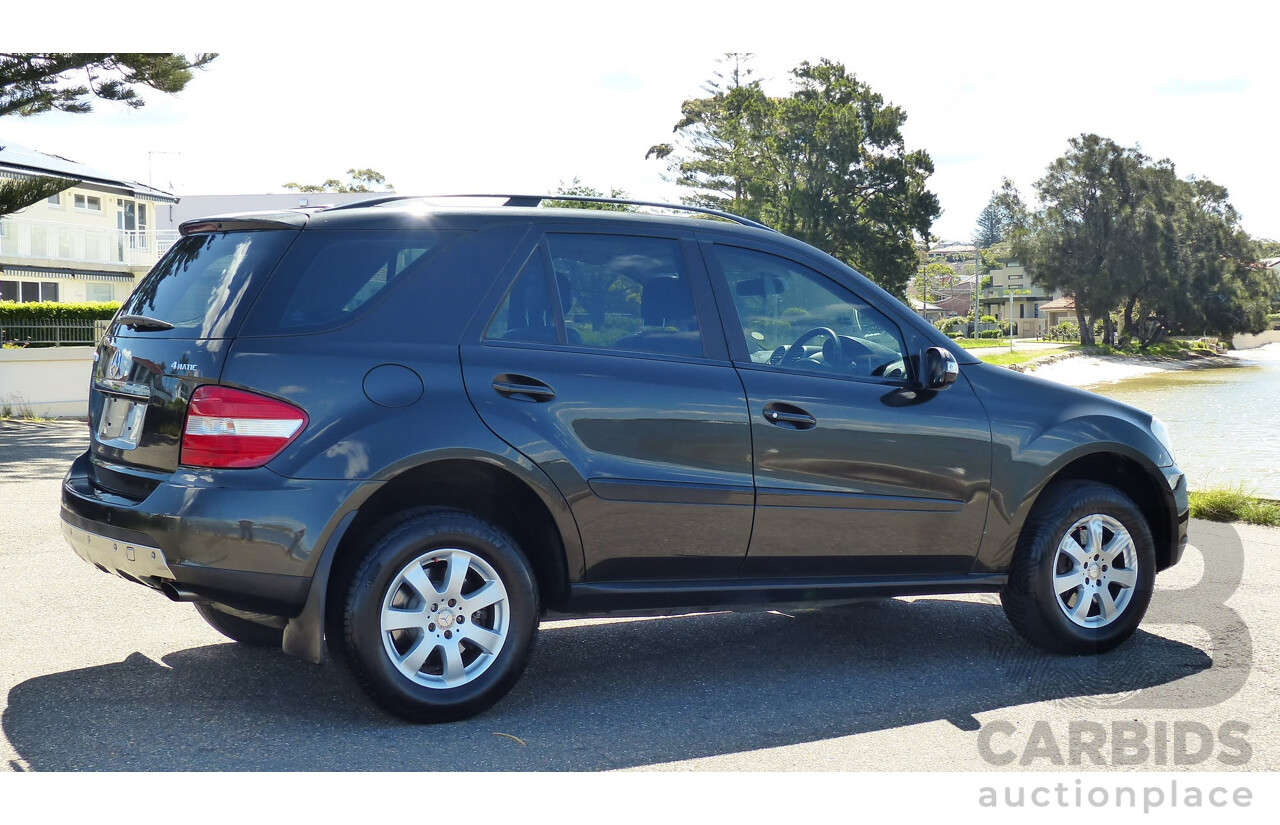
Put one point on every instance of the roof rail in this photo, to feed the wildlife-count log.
(535, 200)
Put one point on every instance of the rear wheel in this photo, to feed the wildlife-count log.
(1083, 572)
(245, 631)
(440, 617)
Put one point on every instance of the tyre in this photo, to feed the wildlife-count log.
(1083, 572)
(439, 618)
(244, 631)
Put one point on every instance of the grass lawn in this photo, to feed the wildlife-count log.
(1005, 358)
(979, 343)
(1234, 504)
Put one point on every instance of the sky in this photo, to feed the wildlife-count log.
(495, 97)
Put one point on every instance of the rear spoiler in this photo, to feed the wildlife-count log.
(246, 220)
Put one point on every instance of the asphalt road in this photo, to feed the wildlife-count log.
(100, 674)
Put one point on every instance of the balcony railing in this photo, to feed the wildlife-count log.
(52, 241)
(1033, 293)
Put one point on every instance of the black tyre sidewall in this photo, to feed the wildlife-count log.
(1029, 599)
(366, 654)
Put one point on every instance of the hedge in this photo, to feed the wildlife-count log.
(16, 313)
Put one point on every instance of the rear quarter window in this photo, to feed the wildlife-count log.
(206, 282)
(329, 277)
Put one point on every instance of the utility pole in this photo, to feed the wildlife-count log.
(977, 268)
(1011, 324)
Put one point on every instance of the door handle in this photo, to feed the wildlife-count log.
(522, 388)
(787, 415)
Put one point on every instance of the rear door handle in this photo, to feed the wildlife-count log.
(522, 388)
(789, 416)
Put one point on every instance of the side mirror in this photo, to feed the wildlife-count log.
(940, 369)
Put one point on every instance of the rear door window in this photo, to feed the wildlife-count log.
(610, 292)
(206, 282)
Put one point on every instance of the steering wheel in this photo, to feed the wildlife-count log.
(796, 352)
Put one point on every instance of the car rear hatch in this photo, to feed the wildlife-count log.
(170, 337)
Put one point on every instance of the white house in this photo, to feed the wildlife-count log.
(91, 242)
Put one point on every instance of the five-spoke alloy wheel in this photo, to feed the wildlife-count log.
(440, 616)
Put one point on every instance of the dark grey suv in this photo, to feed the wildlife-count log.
(412, 430)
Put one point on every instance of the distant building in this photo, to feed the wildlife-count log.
(952, 250)
(929, 311)
(1059, 311)
(1012, 295)
(91, 242)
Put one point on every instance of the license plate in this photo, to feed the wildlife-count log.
(121, 423)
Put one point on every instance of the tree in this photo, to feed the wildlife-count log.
(826, 164)
(932, 279)
(1075, 241)
(1121, 232)
(993, 222)
(32, 83)
(358, 180)
(1199, 271)
(580, 189)
(720, 136)
(23, 192)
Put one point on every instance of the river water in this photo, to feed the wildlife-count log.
(1225, 423)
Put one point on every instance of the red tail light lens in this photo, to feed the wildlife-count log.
(233, 428)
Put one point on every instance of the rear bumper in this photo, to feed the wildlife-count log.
(245, 538)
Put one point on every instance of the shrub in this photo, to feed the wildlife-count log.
(989, 333)
(987, 319)
(15, 313)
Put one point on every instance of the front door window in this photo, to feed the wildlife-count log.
(797, 319)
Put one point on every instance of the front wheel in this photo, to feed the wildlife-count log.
(440, 617)
(1084, 570)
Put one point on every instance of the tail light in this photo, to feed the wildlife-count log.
(234, 428)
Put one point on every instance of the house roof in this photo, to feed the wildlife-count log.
(929, 307)
(22, 160)
(1068, 302)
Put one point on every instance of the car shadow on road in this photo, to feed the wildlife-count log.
(595, 697)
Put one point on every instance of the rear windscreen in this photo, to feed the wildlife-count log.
(205, 283)
(329, 276)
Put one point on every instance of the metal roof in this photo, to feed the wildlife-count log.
(17, 158)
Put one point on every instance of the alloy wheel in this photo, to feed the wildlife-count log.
(1095, 570)
(444, 618)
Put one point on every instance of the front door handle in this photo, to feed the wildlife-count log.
(789, 415)
(522, 388)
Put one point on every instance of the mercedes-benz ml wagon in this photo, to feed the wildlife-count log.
(410, 430)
